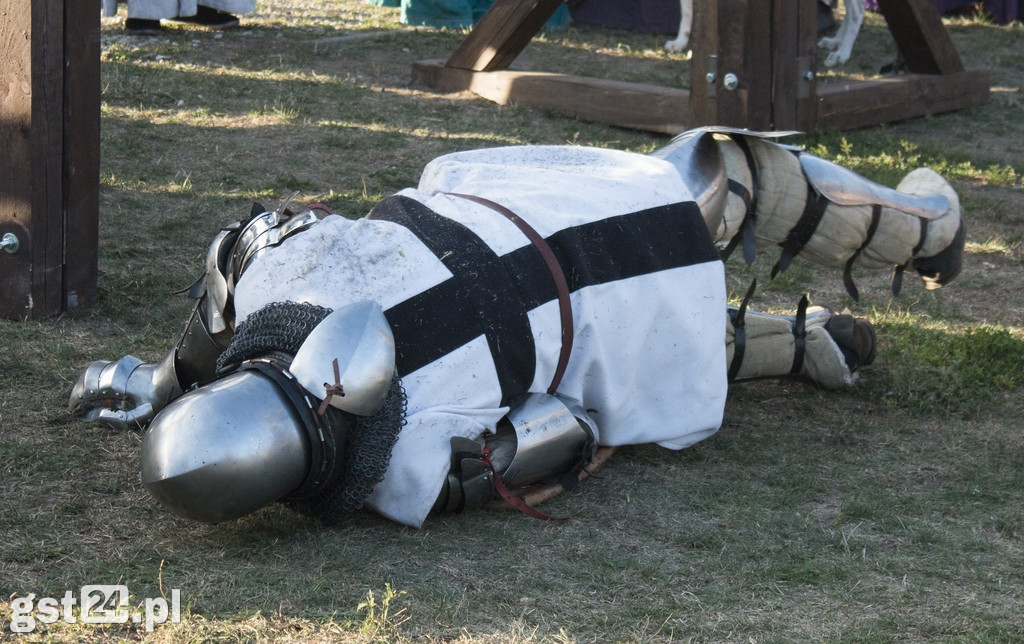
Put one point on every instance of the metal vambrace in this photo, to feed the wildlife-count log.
(543, 438)
(755, 193)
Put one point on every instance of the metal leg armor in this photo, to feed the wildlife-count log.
(756, 193)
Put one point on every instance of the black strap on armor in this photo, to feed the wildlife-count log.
(739, 338)
(799, 336)
(802, 232)
(749, 224)
(851, 288)
(897, 273)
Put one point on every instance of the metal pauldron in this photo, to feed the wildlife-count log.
(211, 325)
(542, 438)
(264, 231)
(232, 251)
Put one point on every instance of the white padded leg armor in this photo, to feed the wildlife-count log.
(831, 216)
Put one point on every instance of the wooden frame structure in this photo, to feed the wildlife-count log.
(49, 156)
(733, 82)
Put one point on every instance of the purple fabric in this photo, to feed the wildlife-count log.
(646, 16)
(1002, 11)
(662, 16)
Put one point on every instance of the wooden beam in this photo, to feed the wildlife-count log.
(858, 104)
(633, 105)
(794, 50)
(49, 155)
(704, 63)
(917, 28)
(502, 33)
(729, 86)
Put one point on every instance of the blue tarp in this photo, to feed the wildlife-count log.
(454, 13)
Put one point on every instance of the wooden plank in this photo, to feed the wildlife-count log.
(785, 50)
(634, 105)
(502, 33)
(81, 142)
(724, 32)
(920, 36)
(15, 148)
(740, 107)
(863, 103)
(757, 71)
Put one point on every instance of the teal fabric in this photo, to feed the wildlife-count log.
(456, 13)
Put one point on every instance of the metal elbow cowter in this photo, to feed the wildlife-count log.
(543, 438)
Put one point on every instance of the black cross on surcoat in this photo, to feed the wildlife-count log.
(490, 295)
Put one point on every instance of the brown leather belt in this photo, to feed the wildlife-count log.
(557, 275)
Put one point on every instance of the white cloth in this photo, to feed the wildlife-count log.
(166, 9)
(648, 359)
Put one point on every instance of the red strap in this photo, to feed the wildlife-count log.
(561, 285)
(319, 206)
(511, 498)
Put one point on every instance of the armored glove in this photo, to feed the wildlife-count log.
(123, 394)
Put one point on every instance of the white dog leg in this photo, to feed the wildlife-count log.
(685, 23)
(841, 45)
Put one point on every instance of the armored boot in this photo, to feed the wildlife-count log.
(815, 344)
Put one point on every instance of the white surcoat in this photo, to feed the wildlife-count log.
(648, 357)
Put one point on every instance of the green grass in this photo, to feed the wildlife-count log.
(887, 512)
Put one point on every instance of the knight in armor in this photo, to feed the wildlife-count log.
(489, 328)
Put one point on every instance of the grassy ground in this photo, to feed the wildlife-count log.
(892, 511)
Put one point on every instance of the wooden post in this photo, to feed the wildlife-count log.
(502, 34)
(49, 155)
(794, 47)
(728, 86)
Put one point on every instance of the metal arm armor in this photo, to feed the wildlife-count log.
(212, 322)
(542, 438)
(129, 392)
